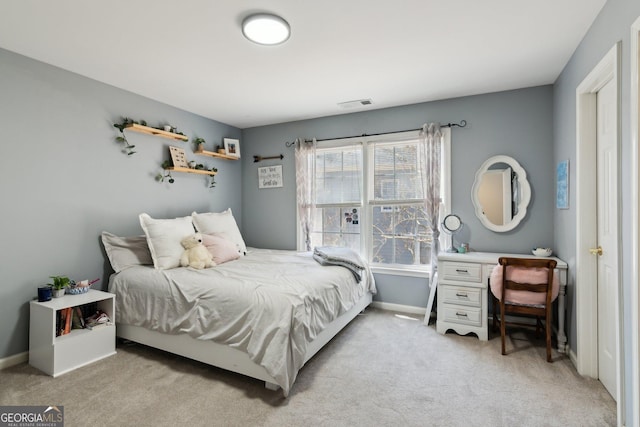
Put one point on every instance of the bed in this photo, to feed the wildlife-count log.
(263, 315)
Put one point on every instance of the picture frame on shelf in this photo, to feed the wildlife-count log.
(232, 147)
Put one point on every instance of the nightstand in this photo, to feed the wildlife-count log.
(56, 355)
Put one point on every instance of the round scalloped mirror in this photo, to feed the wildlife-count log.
(501, 193)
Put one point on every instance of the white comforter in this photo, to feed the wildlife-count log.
(269, 304)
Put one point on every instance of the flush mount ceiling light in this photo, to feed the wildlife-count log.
(267, 29)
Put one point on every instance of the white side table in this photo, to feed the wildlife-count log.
(58, 355)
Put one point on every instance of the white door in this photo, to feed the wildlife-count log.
(607, 236)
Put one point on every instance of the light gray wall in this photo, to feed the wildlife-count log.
(612, 25)
(64, 179)
(516, 123)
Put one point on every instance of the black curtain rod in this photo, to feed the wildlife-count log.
(462, 124)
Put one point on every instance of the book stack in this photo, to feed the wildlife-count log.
(86, 316)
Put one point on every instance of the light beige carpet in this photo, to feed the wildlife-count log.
(382, 370)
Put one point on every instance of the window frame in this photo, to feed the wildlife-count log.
(366, 202)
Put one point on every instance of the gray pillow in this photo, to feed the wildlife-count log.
(125, 252)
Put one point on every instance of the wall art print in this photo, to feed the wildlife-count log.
(562, 185)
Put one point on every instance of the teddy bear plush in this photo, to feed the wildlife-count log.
(195, 253)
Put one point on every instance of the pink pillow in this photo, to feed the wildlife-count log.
(221, 249)
(523, 275)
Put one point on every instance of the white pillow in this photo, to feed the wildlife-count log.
(222, 222)
(163, 238)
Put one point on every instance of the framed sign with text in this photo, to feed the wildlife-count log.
(270, 176)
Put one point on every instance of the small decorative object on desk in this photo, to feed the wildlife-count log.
(76, 288)
(542, 251)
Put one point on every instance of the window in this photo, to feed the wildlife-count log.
(399, 228)
(337, 219)
(369, 197)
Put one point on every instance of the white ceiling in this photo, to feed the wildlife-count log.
(191, 53)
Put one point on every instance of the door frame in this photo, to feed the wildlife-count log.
(635, 218)
(586, 223)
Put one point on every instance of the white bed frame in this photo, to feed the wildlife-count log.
(229, 358)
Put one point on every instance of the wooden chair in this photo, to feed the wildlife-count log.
(539, 311)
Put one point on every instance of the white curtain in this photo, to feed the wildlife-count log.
(430, 161)
(305, 187)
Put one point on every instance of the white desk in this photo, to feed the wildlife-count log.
(463, 282)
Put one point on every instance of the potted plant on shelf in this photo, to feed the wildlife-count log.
(59, 284)
(199, 142)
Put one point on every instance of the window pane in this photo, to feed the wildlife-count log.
(339, 175)
(400, 235)
(337, 227)
(396, 172)
(331, 220)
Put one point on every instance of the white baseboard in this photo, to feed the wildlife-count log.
(16, 359)
(573, 357)
(410, 309)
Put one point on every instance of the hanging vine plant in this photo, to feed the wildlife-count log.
(212, 183)
(166, 174)
(212, 178)
(128, 148)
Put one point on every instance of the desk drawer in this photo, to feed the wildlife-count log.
(461, 295)
(464, 271)
(462, 315)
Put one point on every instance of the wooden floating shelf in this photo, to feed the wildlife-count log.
(157, 132)
(189, 170)
(214, 154)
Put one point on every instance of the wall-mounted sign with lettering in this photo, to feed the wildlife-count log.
(270, 176)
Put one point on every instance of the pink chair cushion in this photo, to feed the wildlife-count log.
(523, 275)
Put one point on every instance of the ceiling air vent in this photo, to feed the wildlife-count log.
(355, 104)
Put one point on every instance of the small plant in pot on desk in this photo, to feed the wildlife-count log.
(59, 284)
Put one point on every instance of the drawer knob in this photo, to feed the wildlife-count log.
(460, 270)
(461, 314)
(462, 294)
